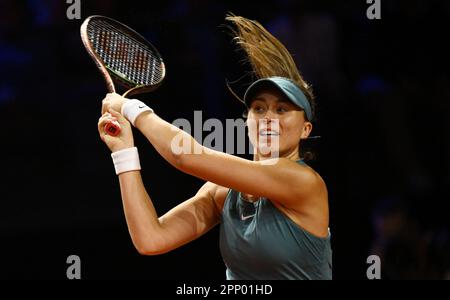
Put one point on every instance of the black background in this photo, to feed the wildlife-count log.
(382, 88)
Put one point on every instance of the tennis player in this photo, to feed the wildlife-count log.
(272, 211)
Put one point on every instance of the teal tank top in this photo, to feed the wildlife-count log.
(259, 242)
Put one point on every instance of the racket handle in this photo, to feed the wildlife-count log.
(113, 128)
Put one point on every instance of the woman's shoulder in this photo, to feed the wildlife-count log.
(302, 167)
(217, 192)
(311, 212)
(310, 180)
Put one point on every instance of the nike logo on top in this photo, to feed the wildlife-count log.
(243, 218)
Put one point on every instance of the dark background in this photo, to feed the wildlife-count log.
(383, 90)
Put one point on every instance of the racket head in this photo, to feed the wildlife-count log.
(123, 56)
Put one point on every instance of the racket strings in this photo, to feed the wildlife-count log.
(139, 63)
(136, 63)
(125, 55)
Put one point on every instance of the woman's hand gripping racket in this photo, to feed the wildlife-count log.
(123, 56)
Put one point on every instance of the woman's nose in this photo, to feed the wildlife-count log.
(269, 115)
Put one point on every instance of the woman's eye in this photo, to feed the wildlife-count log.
(258, 109)
(281, 109)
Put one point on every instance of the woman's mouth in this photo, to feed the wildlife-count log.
(268, 132)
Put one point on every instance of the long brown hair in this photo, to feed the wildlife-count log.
(267, 55)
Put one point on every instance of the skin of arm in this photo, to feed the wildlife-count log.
(294, 188)
(185, 222)
(283, 181)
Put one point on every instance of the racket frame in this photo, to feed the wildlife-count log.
(110, 75)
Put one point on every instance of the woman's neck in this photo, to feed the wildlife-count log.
(292, 155)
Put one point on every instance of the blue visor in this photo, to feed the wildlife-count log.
(284, 85)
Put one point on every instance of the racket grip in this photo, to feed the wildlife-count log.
(113, 128)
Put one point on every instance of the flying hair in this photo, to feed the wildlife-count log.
(266, 54)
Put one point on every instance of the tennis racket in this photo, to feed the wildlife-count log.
(124, 57)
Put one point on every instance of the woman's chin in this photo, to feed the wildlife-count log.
(266, 151)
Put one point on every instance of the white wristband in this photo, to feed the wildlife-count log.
(126, 160)
(132, 108)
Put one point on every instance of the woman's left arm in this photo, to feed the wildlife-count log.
(281, 180)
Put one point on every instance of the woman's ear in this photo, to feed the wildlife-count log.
(307, 128)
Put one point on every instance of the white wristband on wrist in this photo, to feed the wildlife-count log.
(132, 108)
(126, 160)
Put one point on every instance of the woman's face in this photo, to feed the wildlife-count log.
(276, 124)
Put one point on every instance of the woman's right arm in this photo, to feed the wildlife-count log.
(187, 221)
